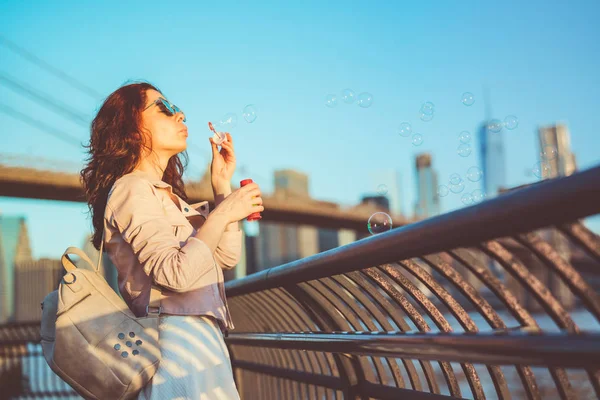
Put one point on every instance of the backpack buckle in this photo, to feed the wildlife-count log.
(158, 310)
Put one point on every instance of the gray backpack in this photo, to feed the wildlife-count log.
(92, 340)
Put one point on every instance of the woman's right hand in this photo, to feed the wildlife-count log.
(241, 203)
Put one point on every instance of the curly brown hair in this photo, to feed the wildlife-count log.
(116, 147)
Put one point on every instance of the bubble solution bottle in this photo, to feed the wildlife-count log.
(254, 216)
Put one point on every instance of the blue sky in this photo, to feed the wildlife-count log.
(539, 61)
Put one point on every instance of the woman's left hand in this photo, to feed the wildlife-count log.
(223, 162)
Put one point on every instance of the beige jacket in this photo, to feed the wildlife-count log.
(148, 237)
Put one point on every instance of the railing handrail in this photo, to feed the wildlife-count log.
(576, 196)
(561, 349)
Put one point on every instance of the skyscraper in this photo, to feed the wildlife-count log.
(557, 137)
(14, 248)
(33, 281)
(380, 201)
(290, 183)
(428, 202)
(555, 144)
(280, 243)
(491, 153)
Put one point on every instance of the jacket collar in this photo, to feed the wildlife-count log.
(200, 208)
(155, 182)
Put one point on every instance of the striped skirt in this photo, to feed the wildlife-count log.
(195, 362)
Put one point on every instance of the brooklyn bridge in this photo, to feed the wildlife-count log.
(482, 302)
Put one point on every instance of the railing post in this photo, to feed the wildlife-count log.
(349, 367)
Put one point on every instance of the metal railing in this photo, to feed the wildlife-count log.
(490, 301)
(478, 303)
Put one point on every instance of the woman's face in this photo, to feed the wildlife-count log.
(168, 133)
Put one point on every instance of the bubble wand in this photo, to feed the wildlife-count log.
(218, 137)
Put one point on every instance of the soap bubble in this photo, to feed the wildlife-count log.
(382, 189)
(219, 128)
(511, 122)
(249, 113)
(478, 196)
(468, 99)
(428, 108)
(417, 139)
(464, 137)
(542, 170)
(365, 100)
(474, 174)
(495, 125)
(426, 111)
(348, 96)
(230, 119)
(549, 153)
(455, 179)
(405, 129)
(443, 191)
(330, 100)
(226, 123)
(457, 188)
(425, 117)
(467, 199)
(464, 149)
(379, 222)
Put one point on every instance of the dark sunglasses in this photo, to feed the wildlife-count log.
(167, 107)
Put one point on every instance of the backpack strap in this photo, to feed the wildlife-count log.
(68, 264)
(154, 306)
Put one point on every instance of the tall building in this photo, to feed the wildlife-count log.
(428, 202)
(33, 281)
(563, 163)
(14, 248)
(380, 201)
(491, 154)
(554, 144)
(279, 243)
(557, 137)
(290, 183)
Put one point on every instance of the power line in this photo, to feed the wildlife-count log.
(45, 100)
(43, 127)
(55, 71)
(49, 102)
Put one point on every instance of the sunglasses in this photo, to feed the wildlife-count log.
(166, 107)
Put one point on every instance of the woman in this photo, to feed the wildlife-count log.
(136, 195)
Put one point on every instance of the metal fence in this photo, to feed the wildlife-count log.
(496, 300)
(483, 302)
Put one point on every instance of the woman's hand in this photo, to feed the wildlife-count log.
(223, 163)
(240, 203)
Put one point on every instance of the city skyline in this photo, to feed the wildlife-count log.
(437, 54)
(487, 286)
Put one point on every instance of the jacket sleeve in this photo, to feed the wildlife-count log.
(229, 250)
(139, 215)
